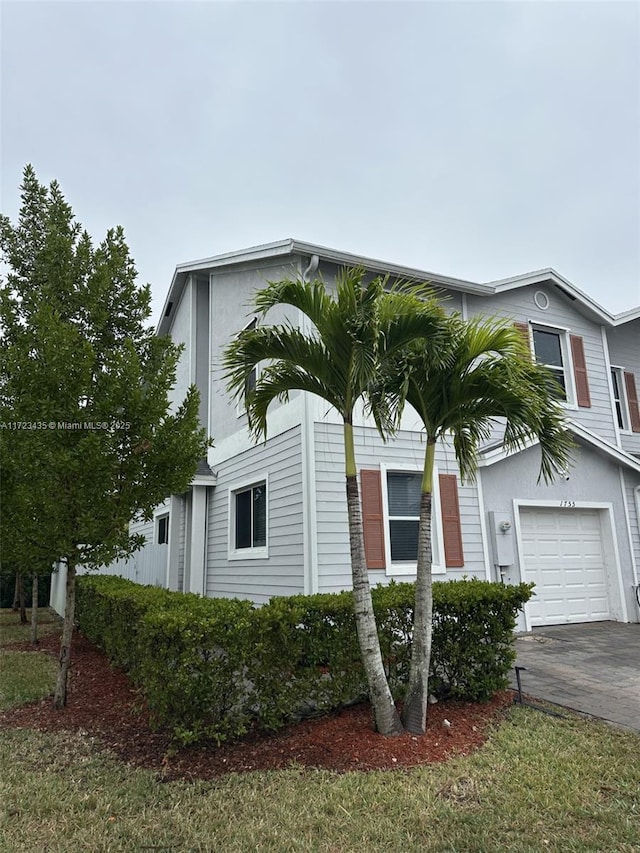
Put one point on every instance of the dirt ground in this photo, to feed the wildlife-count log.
(103, 703)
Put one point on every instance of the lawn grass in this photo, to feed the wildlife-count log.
(539, 783)
(11, 631)
(25, 677)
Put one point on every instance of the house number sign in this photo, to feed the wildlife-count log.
(567, 503)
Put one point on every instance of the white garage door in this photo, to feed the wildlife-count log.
(563, 555)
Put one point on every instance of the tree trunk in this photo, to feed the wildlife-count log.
(414, 711)
(34, 608)
(16, 594)
(386, 717)
(21, 603)
(60, 694)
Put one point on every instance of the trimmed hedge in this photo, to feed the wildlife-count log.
(213, 668)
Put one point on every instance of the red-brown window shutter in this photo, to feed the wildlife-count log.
(580, 371)
(372, 518)
(523, 328)
(451, 526)
(632, 400)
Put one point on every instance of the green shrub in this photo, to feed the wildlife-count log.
(193, 667)
(473, 624)
(212, 668)
(305, 657)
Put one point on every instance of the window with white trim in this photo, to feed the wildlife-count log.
(162, 529)
(565, 355)
(248, 521)
(619, 397)
(401, 498)
(550, 348)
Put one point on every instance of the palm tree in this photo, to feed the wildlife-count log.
(481, 373)
(354, 332)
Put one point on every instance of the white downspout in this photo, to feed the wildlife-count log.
(310, 521)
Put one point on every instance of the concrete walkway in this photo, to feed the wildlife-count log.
(592, 668)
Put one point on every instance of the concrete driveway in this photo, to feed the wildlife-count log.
(592, 668)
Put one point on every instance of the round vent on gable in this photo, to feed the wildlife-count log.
(541, 299)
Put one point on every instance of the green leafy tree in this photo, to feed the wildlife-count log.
(352, 334)
(19, 557)
(84, 393)
(480, 373)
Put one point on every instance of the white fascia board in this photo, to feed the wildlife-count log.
(497, 454)
(290, 246)
(384, 267)
(205, 480)
(603, 446)
(550, 275)
(240, 256)
(626, 317)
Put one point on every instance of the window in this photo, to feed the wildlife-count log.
(248, 533)
(403, 497)
(548, 348)
(625, 399)
(618, 397)
(391, 515)
(162, 530)
(563, 354)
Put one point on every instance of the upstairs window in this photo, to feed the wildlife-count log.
(563, 354)
(618, 397)
(625, 399)
(548, 348)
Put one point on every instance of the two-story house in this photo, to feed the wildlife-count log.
(270, 519)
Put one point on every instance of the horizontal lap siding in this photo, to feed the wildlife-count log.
(518, 305)
(407, 449)
(631, 482)
(181, 334)
(282, 573)
(624, 351)
(148, 565)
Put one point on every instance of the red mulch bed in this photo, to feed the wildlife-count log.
(103, 703)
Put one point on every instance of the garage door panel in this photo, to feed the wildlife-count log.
(563, 555)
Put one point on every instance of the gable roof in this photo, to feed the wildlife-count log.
(291, 247)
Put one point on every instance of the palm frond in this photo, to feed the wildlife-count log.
(276, 383)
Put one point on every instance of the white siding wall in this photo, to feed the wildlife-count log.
(631, 483)
(282, 573)
(624, 351)
(148, 565)
(231, 295)
(407, 449)
(181, 333)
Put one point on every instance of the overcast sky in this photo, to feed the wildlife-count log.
(474, 139)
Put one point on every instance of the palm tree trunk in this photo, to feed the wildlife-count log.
(60, 694)
(414, 712)
(386, 717)
(34, 608)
